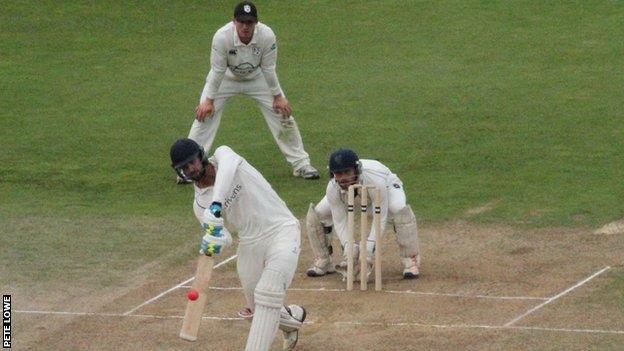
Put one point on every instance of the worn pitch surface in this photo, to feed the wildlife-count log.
(481, 288)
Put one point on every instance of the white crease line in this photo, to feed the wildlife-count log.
(511, 322)
(395, 324)
(468, 296)
(175, 287)
(125, 315)
(400, 292)
(597, 331)
(472, 326)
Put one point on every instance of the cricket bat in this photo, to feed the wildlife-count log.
(195, 309)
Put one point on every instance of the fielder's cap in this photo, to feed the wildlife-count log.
(246, 11)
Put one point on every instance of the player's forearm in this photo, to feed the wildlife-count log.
(213, 82)
(218, 66)
(228, 161)
(383, 208)
(273, 82)
(268, 67)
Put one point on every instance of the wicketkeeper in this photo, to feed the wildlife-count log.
(226, 186)
(346, 169)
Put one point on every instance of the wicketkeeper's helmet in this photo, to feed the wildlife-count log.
(184, 151)
(342, 160)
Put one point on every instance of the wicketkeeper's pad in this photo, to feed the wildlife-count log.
(406, 230)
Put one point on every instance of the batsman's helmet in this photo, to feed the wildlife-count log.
(342, 160)
(184, 151)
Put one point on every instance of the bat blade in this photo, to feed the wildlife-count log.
(195, 309)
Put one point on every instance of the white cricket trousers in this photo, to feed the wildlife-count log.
(279, 253)
(285, 131)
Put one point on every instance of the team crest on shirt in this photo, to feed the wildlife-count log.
(255, 50)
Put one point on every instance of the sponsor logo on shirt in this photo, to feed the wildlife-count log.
(232, 52)
(274, 46)
(243, 68)
(255, 50)
(230, 199)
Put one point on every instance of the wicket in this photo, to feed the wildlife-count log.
(363, 235)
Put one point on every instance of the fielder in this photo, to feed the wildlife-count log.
(346, 169)
(226, 186)
(242, 62)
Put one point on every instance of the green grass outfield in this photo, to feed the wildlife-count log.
(517, 103)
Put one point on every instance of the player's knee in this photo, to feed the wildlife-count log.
(271, 289)
(396, 204)
(405, 216)
(317, 234)
(395, 209)
(312, 217)
(406, 229)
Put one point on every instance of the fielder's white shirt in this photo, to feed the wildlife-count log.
(231, 58)
(374, 173)
(249, 202)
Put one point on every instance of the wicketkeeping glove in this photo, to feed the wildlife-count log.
(215, 237)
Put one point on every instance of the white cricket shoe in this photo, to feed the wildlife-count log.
(291, 337)
(306, 172)
(321, 267)
(411, 267)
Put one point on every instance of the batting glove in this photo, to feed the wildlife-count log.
(216, 236)
(215, 209)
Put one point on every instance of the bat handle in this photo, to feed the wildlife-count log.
(202, 252)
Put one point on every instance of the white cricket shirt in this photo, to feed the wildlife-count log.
(249, 202)
(231, 58)
(374, 173)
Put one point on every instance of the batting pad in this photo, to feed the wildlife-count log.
(270, 290)
(263, 328)
(269, 298)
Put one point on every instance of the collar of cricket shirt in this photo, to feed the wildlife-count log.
(238, 42)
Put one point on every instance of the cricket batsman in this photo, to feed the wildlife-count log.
(347, 169)
(229, 188)
(243, 61)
